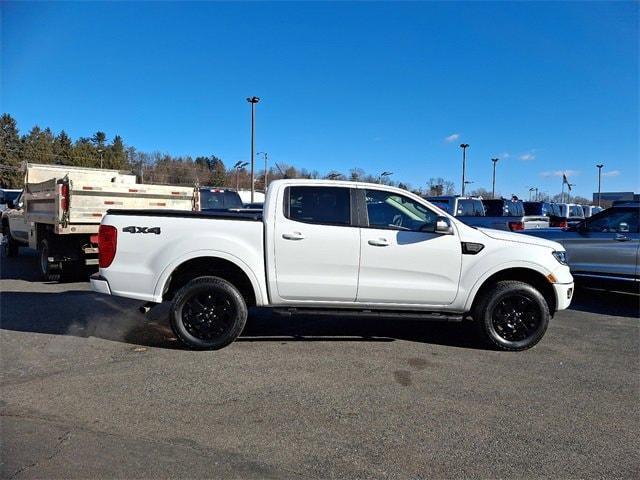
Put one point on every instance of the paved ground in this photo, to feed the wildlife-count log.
(90, 388)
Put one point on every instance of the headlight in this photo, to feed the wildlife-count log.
(561, 257)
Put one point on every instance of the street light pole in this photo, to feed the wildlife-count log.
(464, 146)
(100, 152)
(252, 101)
(599, 180)
(265, 155)
(239, 165)
(384, 174)
(493, 189)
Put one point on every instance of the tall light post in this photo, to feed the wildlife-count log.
(531, 190)
(384, 174)
(599, 180)
(239, 166)
(464, 147)
(265, 156)
(468, 182)
(100, 151)
(252, 101)
(493, 188)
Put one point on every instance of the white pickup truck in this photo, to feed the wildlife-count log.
(326, 247)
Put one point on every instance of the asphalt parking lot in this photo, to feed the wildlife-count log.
(91, 388)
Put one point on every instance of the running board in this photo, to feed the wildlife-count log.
(405, 314)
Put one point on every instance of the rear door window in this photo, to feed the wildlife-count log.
(319, 205)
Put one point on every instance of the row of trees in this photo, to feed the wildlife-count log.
(43, 146)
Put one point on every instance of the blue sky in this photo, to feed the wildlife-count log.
(546, 87)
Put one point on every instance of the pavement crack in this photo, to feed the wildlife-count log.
(56, 450)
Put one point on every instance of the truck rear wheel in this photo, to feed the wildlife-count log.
(48, 272)
(513, 315)
(208, 313)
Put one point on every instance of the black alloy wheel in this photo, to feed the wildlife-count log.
(208, 313)
(516, 317)
(512, 315)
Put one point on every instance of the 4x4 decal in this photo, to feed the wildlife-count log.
(133, 229)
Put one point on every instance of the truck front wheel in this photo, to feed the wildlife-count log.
(208, 313)
(512, 315)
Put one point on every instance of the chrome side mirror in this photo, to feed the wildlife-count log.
(443, 226)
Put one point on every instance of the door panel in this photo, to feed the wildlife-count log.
(606, 244)
(317, 261)
(401, 260)
(602, 253)
(414, 267)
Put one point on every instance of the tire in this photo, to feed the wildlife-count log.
(208, 313)
(513, 316)
(48, 274)
(11, 247)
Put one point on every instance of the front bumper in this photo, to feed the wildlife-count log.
(564, 294)
(100, 284)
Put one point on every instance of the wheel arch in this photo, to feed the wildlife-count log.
(525, 274)
(213, 264)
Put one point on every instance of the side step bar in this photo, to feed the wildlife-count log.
(403, 314)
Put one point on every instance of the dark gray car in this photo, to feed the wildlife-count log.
(604, 247)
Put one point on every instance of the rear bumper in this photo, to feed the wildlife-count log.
(564, 294)
(100, 284)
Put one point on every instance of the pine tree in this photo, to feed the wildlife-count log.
(10, 153)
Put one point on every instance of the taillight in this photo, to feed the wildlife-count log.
(516, 226)
(107, 243)
(65, 197)
(559, 223)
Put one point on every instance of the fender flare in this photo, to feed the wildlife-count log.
(471, 296)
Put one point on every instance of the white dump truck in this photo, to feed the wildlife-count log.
(60, 209)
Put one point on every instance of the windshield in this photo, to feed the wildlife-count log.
(576, 211)
(213, 199)
(6, 197)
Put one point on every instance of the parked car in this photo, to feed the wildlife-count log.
(590, 210)
(459, 206)
(604, 248)
(572, 212)
(332, 246)
(508, 214)
(60, 209)
(218, 198)
(8, 197)
(545, 209)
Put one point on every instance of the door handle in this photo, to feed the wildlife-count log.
(293, 236)
(621, 238)
(379, 242)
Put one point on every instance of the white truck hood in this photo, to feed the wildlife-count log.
(521, 238)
